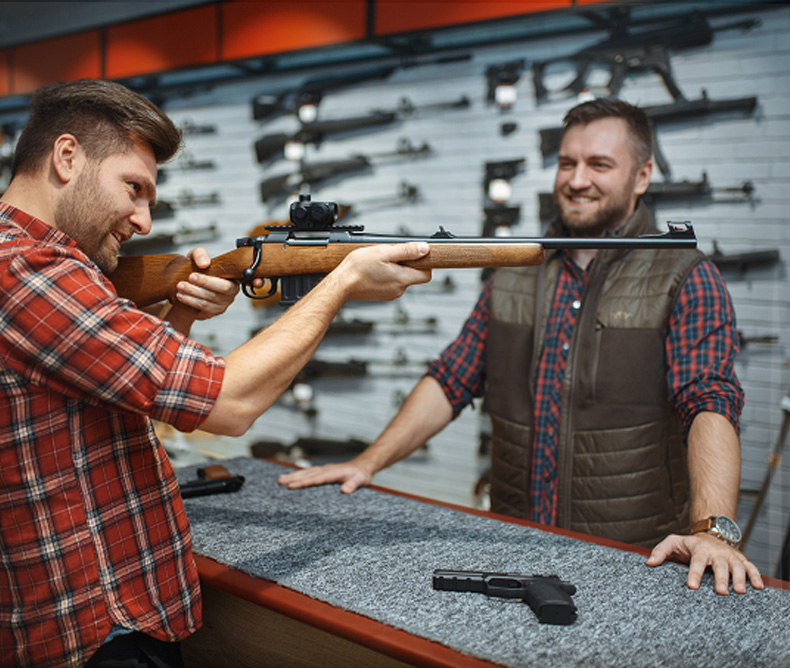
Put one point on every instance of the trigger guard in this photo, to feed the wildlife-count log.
(249, 291)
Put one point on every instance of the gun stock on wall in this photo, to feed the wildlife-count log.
(298, 255)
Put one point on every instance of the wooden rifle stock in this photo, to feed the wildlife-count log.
(149, 279)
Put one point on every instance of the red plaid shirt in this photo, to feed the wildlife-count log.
(92, 529)
(700, 347)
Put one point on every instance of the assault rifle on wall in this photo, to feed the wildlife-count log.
(628, 52)
(273, 145)
(298, 255)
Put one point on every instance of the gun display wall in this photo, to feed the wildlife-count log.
(467, 139)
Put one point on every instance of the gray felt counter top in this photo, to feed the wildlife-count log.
(374, 554)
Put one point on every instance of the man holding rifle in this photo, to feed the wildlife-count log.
(608, 374)
(97, 562)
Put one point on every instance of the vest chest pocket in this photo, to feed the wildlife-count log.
(629, 367)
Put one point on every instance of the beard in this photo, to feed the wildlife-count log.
(612, 212)
(85, 214)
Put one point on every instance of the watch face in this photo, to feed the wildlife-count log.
(728, 529)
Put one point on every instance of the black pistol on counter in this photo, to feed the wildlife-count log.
(547, 595)
(213, 479)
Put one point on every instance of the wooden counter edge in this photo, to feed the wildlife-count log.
(401, 645)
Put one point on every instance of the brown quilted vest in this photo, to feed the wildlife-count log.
(622, 471)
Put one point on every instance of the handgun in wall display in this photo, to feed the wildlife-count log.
(501, 79)
(630, 51)
(498, 175)
(279, 144)
(279, 187)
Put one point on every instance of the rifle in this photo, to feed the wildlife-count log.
(547, 595)
(664, 113)
(167, 208)
(626, 52)
(184, 235)
(266, 107)
(742, 261)
(306, 448)
(272, 145)
(662, 191)
(299, 254)
(281, 185)
(400, 364)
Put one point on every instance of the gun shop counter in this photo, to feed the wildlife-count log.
(315, 577)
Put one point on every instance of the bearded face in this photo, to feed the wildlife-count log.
(598, 181)
(87, 215)
(107, 203)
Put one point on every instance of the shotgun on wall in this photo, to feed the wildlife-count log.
(297, 255)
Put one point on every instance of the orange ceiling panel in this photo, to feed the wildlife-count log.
(161, 43)
(252, 29)
(395, 16)
(67, 58)
(5, 83)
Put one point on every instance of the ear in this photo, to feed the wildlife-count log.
(643, 175)
(68, 158)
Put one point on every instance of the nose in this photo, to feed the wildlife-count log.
(579, 178)
(141, 219)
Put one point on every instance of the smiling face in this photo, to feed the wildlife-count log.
(107, 203)
(598, 179)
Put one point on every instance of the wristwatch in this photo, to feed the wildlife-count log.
(720, 526)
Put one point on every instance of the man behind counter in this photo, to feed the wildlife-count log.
(97, 561)
(608, 374)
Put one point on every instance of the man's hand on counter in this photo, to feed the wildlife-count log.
(702, 550)
(351, 476)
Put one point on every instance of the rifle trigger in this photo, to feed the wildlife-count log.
(248, 275)
(442, 234)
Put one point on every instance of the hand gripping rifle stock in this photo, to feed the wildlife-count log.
(298, 255)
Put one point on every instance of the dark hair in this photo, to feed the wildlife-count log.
(105, 117)
(636, 119)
